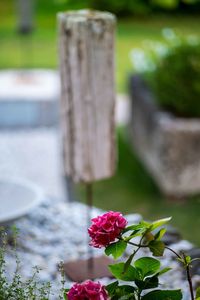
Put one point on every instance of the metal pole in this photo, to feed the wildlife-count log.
(89, 200)
(69, 189)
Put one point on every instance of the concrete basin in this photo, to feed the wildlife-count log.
(17, 198)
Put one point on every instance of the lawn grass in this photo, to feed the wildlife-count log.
(40, 50)
(131, 189)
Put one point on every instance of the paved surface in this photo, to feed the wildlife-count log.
(34, 155)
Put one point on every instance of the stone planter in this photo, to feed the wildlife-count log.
(168, 146)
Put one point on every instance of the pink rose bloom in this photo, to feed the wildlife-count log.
(106, 228)
(87, 290)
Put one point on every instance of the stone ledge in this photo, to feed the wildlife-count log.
(28, 98)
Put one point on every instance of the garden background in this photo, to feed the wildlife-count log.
(131, 189)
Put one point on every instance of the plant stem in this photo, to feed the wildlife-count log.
(170, 249)
(139, 294)
(136, 245)
(177, 255)
(146, 246)
(189, 279)
(187, 271)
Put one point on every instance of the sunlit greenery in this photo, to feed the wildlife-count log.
(131, 190)
(40, 50)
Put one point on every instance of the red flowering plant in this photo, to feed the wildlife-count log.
(88, 290)
(106, 229)
(110, 231)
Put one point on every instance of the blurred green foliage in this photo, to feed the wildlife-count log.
(131, 190)
(127, 7)
(122, 7)
(176, 80)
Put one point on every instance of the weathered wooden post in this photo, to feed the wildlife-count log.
(86, 50)
(87, 96)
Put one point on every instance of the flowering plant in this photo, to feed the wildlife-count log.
(106, 229)
(110, 231)
(87, 290)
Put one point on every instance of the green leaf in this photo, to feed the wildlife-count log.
(141, 225)
(125, 292)
(127, 297)
(117, 292)
(148, 283)
(149, 236)
(163, 271)
(159, 223)
(147, 265)
(127, 289)
(118, 271)
(188, 260)
(111, 288)
(134, 234)
(181, 260)
(197, 293)
(116, 249)
(132, 228)
(65, 294)
(128, 262)
(163, 295)
(159, 234)
(157, 248)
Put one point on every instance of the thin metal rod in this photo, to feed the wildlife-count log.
(69, 189)
(89, 200)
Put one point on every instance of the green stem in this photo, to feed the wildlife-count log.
(170, 249)
(189, 279)
(146, 246)
(139, 295)
(187, 271)
(136, 245)
(140, 245)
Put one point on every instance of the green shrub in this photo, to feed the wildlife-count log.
(123, 7)
(176, 80)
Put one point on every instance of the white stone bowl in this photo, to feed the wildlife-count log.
(17, 198)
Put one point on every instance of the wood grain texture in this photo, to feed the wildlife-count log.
(86, 52)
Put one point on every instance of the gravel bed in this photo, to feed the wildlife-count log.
(57, 231)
